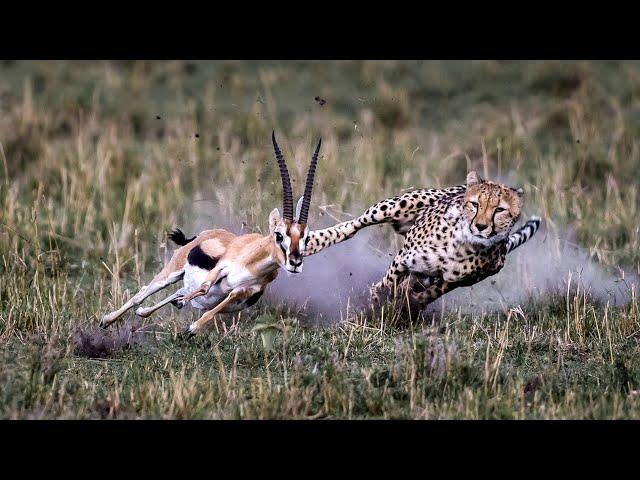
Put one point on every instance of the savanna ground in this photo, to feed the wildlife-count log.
(99, 159)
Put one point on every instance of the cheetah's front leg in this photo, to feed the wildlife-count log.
(392, 279)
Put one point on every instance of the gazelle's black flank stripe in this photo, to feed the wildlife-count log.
(253, 298)
(523, 234)
(199, 259)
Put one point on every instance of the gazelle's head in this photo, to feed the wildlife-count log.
(290, 234)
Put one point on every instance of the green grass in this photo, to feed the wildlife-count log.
(91, 179)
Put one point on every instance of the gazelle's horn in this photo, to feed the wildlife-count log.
(308, 188)
(287, 193)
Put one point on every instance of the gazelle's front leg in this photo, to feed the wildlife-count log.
(210, 279)
(197, 326)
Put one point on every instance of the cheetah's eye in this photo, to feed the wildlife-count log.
(500, 209)
(475, 204)
(279, 237)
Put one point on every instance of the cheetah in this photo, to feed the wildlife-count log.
(454, 237)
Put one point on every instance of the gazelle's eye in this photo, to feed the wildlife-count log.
(500, 209)
(279, 237)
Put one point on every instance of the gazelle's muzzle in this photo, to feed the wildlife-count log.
(294, 263)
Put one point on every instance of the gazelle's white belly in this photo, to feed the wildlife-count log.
(193, 278)
(233, 278)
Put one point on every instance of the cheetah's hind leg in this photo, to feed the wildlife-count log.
(418, 291)
(404, 298)
(394, 277)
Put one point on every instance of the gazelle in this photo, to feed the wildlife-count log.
(224, 272)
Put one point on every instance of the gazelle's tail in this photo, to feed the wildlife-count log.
(178, 237)
(523, 234)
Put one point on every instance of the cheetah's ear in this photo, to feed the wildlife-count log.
(519, 191)
(473, 178)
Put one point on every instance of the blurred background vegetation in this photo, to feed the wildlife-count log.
(101, 152)
(99, 159)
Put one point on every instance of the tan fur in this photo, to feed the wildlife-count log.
(236, 269)
(258, 254)
(492, 206)
(218, 244)
(296, 232)
(212, 242)
(250, 250)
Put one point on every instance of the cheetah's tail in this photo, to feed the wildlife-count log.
(523, 234)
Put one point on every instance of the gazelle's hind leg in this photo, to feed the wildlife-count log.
(200, 324)
(162, 280)
(210, 279)
(175, 299)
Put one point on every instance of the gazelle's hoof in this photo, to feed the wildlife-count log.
(178, 303)
(104, 322)
(188, 334)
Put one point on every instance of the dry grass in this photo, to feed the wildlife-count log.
(99, 159)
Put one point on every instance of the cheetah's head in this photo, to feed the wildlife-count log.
(491, 208)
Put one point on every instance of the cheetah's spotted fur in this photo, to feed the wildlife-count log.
(446, 245)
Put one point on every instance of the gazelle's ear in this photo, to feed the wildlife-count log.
(274, 219)
(473, 178)
(298, 208)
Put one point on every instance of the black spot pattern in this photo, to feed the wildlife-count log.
(434, 246)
